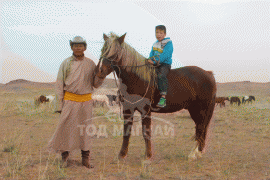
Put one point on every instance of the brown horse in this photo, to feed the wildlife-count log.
(248, 99)
(235, 99)
(190, 88)
(221, 100)
(41, 99)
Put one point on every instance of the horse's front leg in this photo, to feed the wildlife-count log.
(128, 122)
(146, 131)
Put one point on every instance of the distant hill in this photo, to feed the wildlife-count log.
(19, 81)
(22, 83)
(228, 89)
(242, 88)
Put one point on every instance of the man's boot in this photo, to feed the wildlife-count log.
(86, 159)
(65, 155)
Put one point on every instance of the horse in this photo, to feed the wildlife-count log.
(235, 99)
(252, 98)
(190, 88)
(247, 99)
(221, 100)
(244, 99)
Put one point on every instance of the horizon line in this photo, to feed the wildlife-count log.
(246, 81)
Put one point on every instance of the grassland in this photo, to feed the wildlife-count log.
(238, 147)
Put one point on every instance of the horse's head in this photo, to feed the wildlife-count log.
(111, 54)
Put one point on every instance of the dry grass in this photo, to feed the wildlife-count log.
(238, 147)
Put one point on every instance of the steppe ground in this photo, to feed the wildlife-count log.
(238, 146)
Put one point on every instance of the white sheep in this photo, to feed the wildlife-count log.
(50, 98)
(101, 98)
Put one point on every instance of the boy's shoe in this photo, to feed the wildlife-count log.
(162, 102)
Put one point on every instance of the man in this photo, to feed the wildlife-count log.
(74, 86)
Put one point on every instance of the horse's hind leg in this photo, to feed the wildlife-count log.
(201, 114)
(128, 122)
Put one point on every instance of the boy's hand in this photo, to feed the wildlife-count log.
(150, 61)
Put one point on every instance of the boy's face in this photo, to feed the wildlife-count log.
(160, 34)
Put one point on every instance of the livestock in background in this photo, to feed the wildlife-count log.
(221, 101)
(41, 99)
(235, 99)
(50, 98)
(248, 99)
(112, 98)
(100, 100)
(97, 103)
(244, 99)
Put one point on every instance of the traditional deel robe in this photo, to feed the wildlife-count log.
(163, 50)
(74, 76)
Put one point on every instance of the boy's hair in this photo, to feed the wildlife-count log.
(161, 27)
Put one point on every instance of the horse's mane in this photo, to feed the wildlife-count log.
(131, 58)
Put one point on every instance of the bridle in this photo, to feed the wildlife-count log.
(118, 66)
(119, 91)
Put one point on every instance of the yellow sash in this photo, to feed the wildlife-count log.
(77, 97)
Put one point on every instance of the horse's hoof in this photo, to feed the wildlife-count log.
(193, 157)
(121, 157)
(195, 154)
(148, 157)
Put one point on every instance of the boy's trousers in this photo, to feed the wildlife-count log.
(162, 72)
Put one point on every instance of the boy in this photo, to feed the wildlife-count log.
(162, 51)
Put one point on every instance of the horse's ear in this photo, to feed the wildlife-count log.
(105, 37)
(121, 39)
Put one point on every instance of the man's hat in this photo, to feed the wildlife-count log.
(78, 40)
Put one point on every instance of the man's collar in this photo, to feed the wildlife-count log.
(73, 57)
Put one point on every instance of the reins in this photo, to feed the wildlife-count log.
(119, 76)
(120, 94)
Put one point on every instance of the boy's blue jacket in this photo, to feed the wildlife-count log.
(164, 50)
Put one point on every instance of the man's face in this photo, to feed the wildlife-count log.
(160, 34)
(78, 49)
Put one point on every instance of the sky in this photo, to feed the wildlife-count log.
(229, 37)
